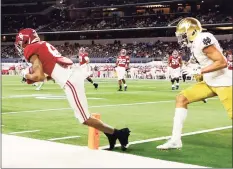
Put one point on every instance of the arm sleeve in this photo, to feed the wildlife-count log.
(28, 52)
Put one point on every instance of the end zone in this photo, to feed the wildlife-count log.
(20, 152)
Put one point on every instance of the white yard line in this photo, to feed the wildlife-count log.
(32, 111)
(110, 105)
(27, 131)
(167, 137)
(99, 106)
(94, 93)
(63, 138)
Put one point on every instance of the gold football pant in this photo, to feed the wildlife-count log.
(202, 91)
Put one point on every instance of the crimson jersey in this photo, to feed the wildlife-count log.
(230, 64)
(82, 58)
(123, 61)
(47, 54)
(174, 62)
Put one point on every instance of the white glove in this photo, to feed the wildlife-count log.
(198, 72)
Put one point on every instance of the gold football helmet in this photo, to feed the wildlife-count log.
(187, 30)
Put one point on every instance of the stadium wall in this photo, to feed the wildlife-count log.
(129, 40)
(154, 63)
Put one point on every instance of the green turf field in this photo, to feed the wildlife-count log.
(147, 108)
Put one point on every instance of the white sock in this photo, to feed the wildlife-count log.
(177, 84)
(173, 85)
(125, 85)
(180, 116)
(41, 84)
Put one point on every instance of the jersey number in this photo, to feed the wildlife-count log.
(175, 62)
(122, 61)
(53, 50)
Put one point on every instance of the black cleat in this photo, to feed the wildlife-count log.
(177, 87)
(120, 90)
(112, 140)
(23, 80)
(123, 136)
(96, 85)
(173, 88)
(125, 88)
(205, 101)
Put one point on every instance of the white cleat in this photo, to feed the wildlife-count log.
(37, 89)
(170, 144)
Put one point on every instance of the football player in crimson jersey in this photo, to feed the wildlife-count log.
(122, 64)
(46, 59)
(84, 63)
(175, 64)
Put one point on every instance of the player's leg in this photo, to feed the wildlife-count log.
(119, 77)
(120, 85)
(92, 82)
(184, 77)
(172, 82)
(192, 94)
(225, 96)
(125, 85)
(76, 96)
(40, 84)
(177, 79)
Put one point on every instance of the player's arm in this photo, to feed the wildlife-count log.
(127, 63)
(217, 57)
(181, 63)
(169, 62)
(117, 61)
(38, 73)
(87, 59)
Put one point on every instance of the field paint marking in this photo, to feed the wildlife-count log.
(98, 93)
(25, 96)
(63, 138)
(168, 137)
(132, 104)
(27, 131)
(31, 111)
(110, 105)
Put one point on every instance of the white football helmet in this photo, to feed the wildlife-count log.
(81, 50)
(175, 53)
(123, 52)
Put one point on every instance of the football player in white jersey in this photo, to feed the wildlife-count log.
(216, 81)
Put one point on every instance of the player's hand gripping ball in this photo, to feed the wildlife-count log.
(28, 70)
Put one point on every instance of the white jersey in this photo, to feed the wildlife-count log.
(185, 69)
(216, 78)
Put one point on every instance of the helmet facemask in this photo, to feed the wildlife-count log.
(182, 39)
(19, 48)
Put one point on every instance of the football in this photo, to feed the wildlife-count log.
(30, 71)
